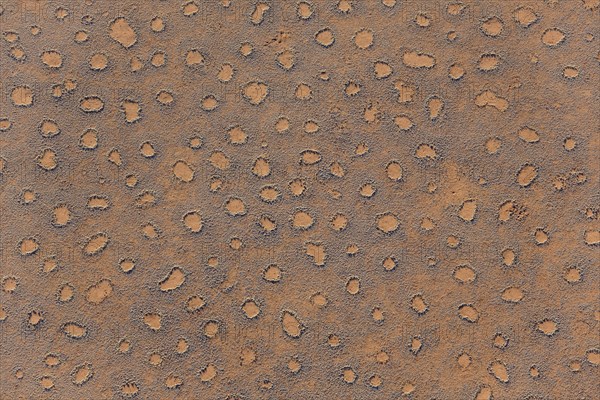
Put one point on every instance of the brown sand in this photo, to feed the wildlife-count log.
(312, 199)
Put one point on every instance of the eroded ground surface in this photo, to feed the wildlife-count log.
(324, 199)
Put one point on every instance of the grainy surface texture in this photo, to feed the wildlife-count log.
(320, 199)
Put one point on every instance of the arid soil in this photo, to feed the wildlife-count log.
(314, 199)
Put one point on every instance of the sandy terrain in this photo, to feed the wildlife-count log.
(320, 199)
